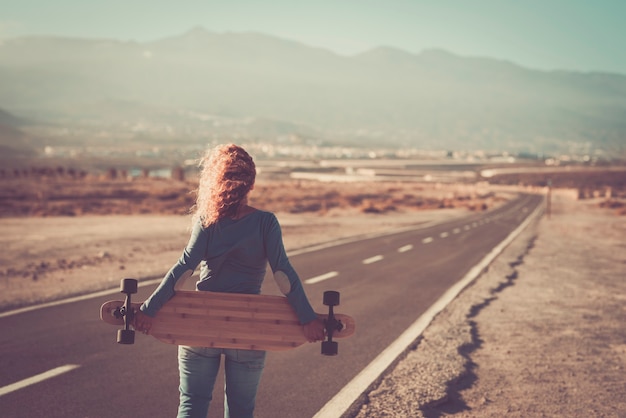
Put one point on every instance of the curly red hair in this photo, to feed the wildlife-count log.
(226, 177)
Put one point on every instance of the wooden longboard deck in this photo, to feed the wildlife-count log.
(227, 320)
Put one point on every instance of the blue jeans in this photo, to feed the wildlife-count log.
(198, 367)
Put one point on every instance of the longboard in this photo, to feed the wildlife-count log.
(228, 320)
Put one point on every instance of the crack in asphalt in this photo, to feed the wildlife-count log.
(452, 402)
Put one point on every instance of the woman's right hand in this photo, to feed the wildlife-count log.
(142, 322)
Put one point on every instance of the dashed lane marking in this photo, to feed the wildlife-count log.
(427, 240)
(373, 259)
(157, 280)
(321, 277)
(38, 378)
(405, 248)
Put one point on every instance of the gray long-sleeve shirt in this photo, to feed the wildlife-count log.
(233, 254)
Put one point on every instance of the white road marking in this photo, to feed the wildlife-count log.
(427, 240)
(156, 281)
(373, 259)
(321, 277)
(466, 227)
(38, 378)
(75, 299)
(405, 248)
(444, 234)
(456, 230)
(342, 401)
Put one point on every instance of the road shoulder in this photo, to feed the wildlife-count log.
(540, 329)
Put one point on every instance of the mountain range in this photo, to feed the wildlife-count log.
(204, 84)
(14, 142)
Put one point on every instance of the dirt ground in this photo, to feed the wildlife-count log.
(117, 229)
(541, 334)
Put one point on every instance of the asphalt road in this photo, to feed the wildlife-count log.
(385, 282)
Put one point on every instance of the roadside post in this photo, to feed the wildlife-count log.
(549, 203)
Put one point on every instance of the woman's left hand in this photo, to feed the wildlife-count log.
(314, 330)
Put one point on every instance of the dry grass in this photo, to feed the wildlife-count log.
(65, 196)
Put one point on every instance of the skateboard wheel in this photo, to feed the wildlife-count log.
(128, 286)
(125, 336)
(330, 348)
(331, 298)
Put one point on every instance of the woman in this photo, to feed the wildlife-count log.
(233, 242)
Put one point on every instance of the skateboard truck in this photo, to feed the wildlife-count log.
(126, 335)
(331, 324)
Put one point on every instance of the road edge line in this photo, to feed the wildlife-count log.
(290, 253)
(72, 299)
(350, 394)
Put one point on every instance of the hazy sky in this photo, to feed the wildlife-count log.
(585, 35)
